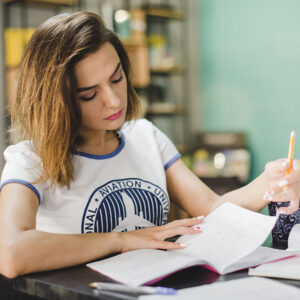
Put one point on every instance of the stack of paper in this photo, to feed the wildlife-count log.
(246, 289)
(287, 268)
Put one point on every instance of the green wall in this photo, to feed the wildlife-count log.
(250, 73)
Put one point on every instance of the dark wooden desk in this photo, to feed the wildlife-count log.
(73, 283)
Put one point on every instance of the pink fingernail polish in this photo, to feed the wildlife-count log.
(197, 228)
(270, 192)
(267, 198)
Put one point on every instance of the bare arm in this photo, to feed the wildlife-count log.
(197, 199)
(23, 249)
(188, 191)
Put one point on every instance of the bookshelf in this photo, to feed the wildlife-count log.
(154, 35)
(51, 2)
(171, 113)
(179, 69)
(164, 12)
(167, 104)
(20, 17)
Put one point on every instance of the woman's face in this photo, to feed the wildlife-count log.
(102, 90)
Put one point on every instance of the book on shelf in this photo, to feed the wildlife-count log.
(52, 2)
(230, 241)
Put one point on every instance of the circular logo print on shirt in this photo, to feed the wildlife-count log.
(125, 204)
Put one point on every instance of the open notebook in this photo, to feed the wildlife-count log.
(230, 241)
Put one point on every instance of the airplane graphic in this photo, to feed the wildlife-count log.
(131, 220)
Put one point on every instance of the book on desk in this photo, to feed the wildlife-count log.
(288, 268)
(231, 240)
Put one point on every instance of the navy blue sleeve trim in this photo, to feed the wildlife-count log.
(171, 162)
(24, 183)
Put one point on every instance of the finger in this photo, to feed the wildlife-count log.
(294, 175)
(279, 183)
(286, 195)
(269, 194)
(169, 245)
(296, 165)
(276, 169)
(278, 186)
(185, 222)
(181, 230)
(283, 194)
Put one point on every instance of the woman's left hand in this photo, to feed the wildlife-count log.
(282, 187)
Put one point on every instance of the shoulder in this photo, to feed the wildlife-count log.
(138, 126)
(144, 131)
(22, 153)
(22, 166)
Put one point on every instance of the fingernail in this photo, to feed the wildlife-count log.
(182, 245)
(199, 218)
(197, 228)
(281, 212)
(267, 198)
(282, 183)
(270, 192)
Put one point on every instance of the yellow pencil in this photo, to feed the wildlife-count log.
(290, 156)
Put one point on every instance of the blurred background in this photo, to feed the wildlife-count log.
(220, 78)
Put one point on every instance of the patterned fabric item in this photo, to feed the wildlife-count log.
(283, 226)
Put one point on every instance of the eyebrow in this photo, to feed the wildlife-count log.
(82, 89)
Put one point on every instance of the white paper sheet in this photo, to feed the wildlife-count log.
(294, 238)
(259, 256)
(287, 268)
(245, 289)
(229, 234)
(139, 266)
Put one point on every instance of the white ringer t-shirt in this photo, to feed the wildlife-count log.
(121, 191)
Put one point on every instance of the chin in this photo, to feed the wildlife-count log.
(115, 125)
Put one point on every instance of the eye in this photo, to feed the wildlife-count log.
(88, 98)
(118, 79)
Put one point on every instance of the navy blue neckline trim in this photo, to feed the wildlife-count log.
(110, 155)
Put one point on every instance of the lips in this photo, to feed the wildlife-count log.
(114, 116)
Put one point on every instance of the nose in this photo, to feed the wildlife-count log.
(109, 98)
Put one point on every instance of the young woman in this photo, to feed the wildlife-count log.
(82, 165)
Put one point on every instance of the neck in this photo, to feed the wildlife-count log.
(99, 144)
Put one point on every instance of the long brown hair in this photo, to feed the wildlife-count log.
(46, 109)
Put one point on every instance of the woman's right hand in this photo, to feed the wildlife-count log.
(283, 188)
(155, 237)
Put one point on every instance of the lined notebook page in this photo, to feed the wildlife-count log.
(229, 234)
